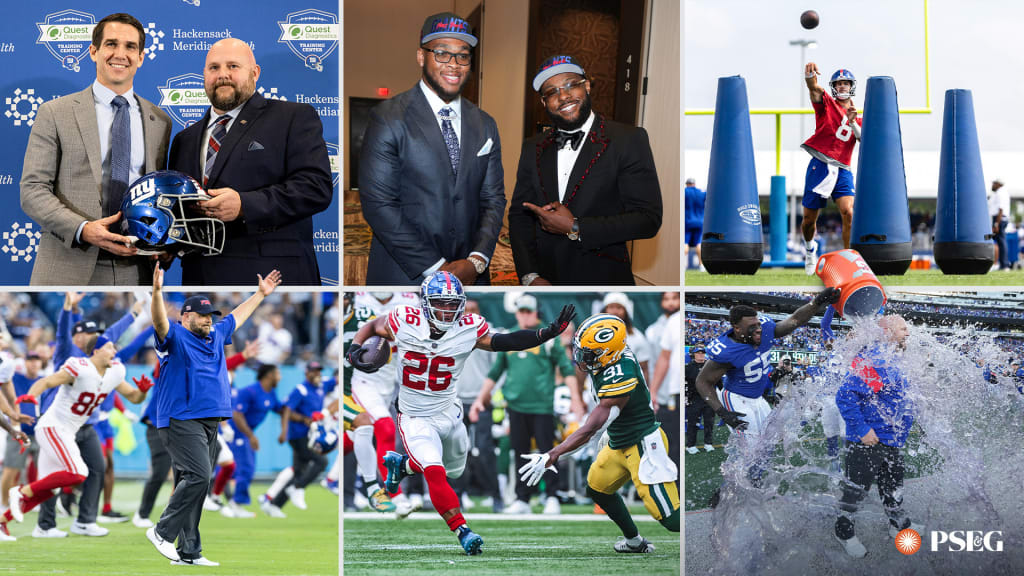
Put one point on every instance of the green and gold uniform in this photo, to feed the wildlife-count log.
(360, 315)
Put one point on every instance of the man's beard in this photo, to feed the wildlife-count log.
(238, 96)
(442, 91)
(581, 118)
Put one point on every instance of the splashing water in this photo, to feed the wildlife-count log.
(964, 468)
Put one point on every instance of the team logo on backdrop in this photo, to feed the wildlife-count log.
(22, 107)
(334, 155)
(156, 43)
(192, 2)
(184, 98)
(67, 35)
(271, 94)
(750, 213)
(20, 242)
(312, 35)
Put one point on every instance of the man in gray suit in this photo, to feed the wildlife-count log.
(432, 186)
(84, 150)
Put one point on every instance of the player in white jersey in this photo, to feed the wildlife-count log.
(84, 384)
(433, 341)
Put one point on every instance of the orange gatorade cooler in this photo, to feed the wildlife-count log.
(861, 292)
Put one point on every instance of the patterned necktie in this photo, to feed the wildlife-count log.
(120, 156)
(216, 137)
(450, 139)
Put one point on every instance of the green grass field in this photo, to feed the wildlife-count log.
(796, 277)
(304, 543)
(418, 546)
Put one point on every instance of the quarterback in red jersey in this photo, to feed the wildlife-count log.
(836, 131)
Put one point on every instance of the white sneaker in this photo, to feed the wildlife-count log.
(237, 511)
(201, 561)
(810, 259)
(162, 546)
(467, 502)
(893, 531)
(407, 505)
(91, 529)
(691, 450)
(273, 511)
(141, 522)
(517, 507)
(14, 498)
(552, 506)
(487, 502)
(852, 546)
(5, 535)
(297, 497)
(38, 532)
(416, 501)
(212, 503)
(709, 448)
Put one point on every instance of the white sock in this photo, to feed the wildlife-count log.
(371, 487)
(282, 480)
(408, 467)
(335, 472)
(810, 245)
(366, 456)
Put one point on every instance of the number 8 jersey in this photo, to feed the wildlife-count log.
(428, 367)
(75, 402)
(750, 367)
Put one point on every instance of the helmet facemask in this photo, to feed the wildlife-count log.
(444, 312)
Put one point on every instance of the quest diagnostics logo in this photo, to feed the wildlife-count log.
(312, 35)
(67, 35)
(184, 98)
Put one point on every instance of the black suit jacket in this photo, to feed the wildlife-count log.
(418, 210)
(274, 155)
(613, 191)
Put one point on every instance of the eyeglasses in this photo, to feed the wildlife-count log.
(548, 94)
(444, 56)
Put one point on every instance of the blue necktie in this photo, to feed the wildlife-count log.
(120, 156)
(213, 146)
(450, 139)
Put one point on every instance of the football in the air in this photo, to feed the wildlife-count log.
(809, 19)
(376, 351)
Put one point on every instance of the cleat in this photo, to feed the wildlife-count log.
(395, 463)
(213, 503)
(38, 532)
(518, 507)
(691, 449)
(141, 522)
(809, 258)
(162, 546)
(236, 511)
(410, 505)
(709, 448)
(5, 534)
(467, 502)
(380, 501)
(201, 561)
(331, 485)
(297, 496)
(852, 546)
(622, 545)
(90, 529)
(471, 542)
(14, 497)
(552, 506)
(112, 517)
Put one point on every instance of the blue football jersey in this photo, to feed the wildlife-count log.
(750, 367)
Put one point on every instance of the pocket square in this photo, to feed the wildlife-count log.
(486, 148)
(254, 145)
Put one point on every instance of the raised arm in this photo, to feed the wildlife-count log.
(133, 394)
(266, 288)
(526, 339)
(804, 313)
(811, 78)
(156, 307)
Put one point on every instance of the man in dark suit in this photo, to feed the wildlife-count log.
(265, 162)
(432, 186)
(582, 190)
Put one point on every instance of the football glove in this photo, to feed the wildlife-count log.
(144, 383)
(827, 296)
(559, 325)
(532, 471)
(354, 357)
(732, 418)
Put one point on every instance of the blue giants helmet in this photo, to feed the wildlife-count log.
(443, 300)
(323, 437)
(159, 210)
(843, 74)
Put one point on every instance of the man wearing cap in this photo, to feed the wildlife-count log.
(302, 408)
(193, 395)
(697, 410)
(999, 210)
(583, 189)
(694, 198)
(529, 390)
(431, 181)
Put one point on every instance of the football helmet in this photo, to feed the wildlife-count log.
(843, 74)
(159, 211)
(323, 437)
(443, 300)
(349, 309)
(599, 341)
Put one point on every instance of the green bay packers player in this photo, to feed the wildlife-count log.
(637, 448)
(358, 423)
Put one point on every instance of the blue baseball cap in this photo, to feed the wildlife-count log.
(554, 66)
(447, 25)
(199, 305)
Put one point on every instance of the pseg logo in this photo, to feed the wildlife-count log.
(908, 541)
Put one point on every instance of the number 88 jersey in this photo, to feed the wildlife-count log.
(428, 367)
(750, 366)
(75, 402)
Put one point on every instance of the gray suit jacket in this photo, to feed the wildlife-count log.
(418, 210)
(62, 180)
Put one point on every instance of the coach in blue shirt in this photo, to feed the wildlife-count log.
(193, 396)
(251, 405)
(303, 406)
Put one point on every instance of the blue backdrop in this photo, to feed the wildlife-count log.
(44, 53)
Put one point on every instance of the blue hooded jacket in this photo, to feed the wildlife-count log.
(873, 396)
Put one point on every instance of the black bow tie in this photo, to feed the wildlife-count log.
(574, 138)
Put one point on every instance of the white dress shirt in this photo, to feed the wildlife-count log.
(567, 159)
(209, 130)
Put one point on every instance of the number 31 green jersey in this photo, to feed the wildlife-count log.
(636, 420)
